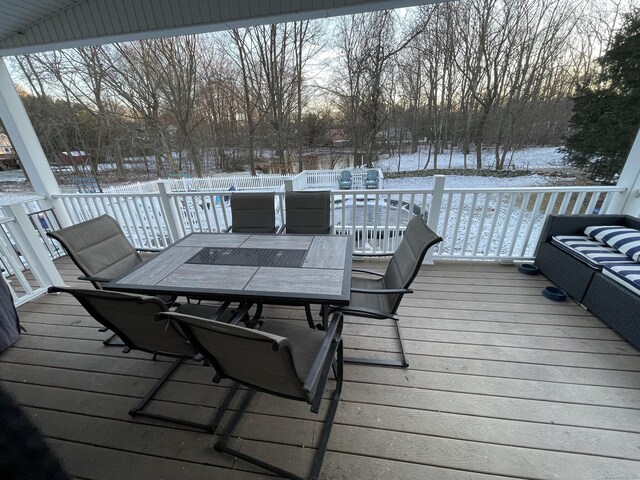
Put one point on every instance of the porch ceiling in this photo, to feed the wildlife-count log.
(28, 26)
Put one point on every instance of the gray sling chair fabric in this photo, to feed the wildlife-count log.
(101, 251)
(134, 319)
(252, 213)
(281, 359)
(380, 297)
(308, 212)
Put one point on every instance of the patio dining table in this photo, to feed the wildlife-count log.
(276, 269)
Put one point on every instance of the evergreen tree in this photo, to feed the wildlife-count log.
(606, 111)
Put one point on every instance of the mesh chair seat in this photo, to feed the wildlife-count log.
(379, 303)
(303, 341)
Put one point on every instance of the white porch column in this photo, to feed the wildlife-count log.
(24, 139)
(629, 201)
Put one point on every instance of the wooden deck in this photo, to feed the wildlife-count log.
(502, 384)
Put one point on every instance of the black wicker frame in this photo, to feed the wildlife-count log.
(613, 303)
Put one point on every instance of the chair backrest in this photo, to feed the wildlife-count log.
(98, 247)
(253, 212)
(308, 212)
(406, 260)
(133, 319)
(260, 360)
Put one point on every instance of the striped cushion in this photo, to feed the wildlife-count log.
(626, 240)
(627, 275)
(592, 252)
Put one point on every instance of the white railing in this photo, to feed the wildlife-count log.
(142, 216)
(504, 224)
(26, 264)
(476, 224)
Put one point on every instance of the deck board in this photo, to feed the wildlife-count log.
(502, 384)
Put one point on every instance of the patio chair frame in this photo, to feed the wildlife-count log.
(363, 311)
(139, 408)
(330, 356)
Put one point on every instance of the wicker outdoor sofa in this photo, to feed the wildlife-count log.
(615, 302)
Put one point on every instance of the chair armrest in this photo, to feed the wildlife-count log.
(383, 291)
(364, 312)
(370, 272)
(319, 372)
(89, 278)
(372, 254)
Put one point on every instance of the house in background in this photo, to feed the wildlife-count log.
(74, 158)
(8, 158)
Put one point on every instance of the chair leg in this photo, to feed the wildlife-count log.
(221, 445)
(138, 410)
(307, 311)
(402, 363)
(331, 415)
(113, 340)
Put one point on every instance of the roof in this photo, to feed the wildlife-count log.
(28, 26)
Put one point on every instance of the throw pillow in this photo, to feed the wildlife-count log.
(623, 239)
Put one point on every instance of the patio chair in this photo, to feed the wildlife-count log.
(102, 252)
(345, 180)
(253, 213)
(372, 180)
(380, 297)
(280, 359)
(134, 319)
(99, 248)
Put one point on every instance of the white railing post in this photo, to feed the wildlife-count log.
(434, 211)
(628, 202)
(170, 213)
(24, 139)
(32, 248)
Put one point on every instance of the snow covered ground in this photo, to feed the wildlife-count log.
(527, 159)
(13, 187)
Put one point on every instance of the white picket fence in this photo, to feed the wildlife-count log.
(308, 179)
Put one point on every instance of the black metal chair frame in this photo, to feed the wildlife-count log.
(392, 315)
(329, 356)
(139, 408)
